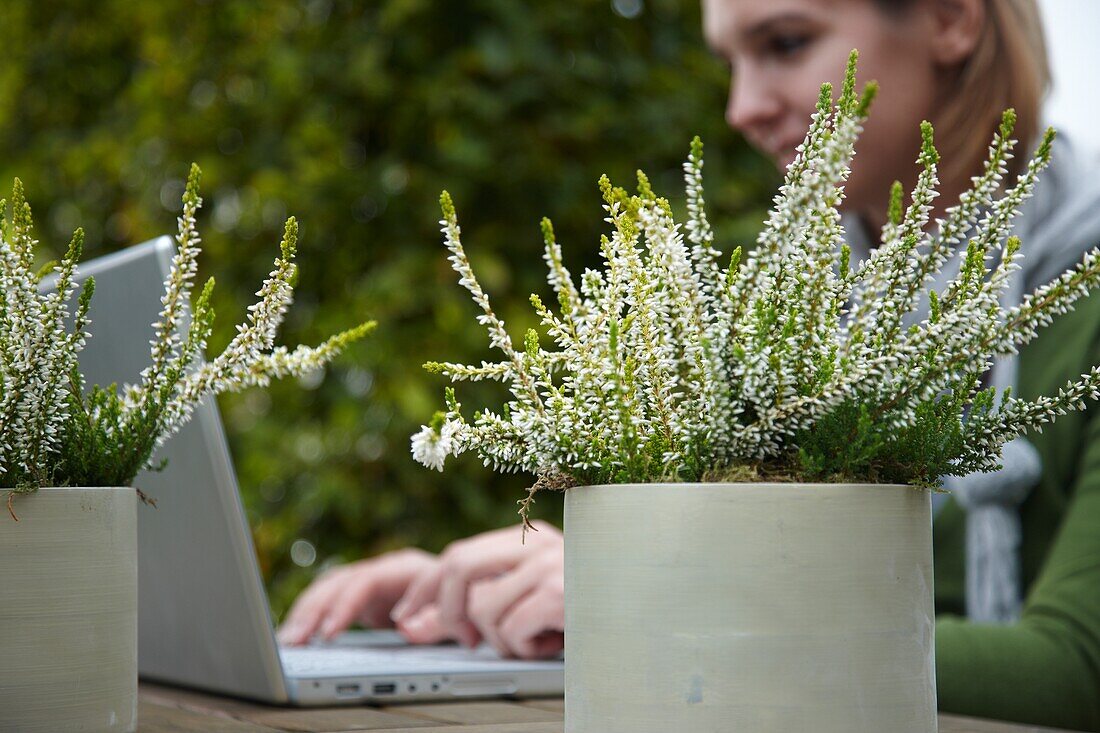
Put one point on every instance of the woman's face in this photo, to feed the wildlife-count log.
(781, 51)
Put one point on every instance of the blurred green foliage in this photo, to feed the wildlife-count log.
(353, 116)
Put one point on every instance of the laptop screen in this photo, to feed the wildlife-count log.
(203, 616)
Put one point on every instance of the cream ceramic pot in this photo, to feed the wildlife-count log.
(757, 608)
(68, 611)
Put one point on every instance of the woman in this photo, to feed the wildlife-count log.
(959, 64)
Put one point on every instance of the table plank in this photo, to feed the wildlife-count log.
(492, 728)
(553, 704)
(312, 720)
(478, 712)
(172, 710)
(156, 718)
(331, 720)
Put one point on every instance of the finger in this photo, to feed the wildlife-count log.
(534, 628)
(459, 573)
(464, 562)
(353, 598)
(408, 565)
(489, 600)
(390, 574)
(309, 610)
(376, 613)
(421, 591)
(547, 645)
(375, 584)
(423, 627)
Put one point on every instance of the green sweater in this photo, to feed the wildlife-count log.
(1045, 669)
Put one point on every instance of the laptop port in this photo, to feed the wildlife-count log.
(385, 688)
(350, 689)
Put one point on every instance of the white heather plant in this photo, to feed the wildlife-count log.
(790, 365)
(53, 432)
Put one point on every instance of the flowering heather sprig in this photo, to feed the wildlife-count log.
(36, 353)
(53, 431)
(790, 364)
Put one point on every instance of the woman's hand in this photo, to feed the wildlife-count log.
(495, 587)
(363, 592)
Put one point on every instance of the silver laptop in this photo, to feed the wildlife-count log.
(203, 618)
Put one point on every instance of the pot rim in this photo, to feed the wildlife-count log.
(71, 488)
(752, 484)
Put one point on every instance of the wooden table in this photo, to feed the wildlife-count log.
(169, 710)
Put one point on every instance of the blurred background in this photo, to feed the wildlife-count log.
(1073, 105)
(353, 116)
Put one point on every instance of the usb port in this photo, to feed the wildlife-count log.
(385, 688)
(349, 689)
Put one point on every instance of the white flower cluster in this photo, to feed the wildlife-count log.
(37, 355)
(170, 388)
(669, 366)
(51, 431)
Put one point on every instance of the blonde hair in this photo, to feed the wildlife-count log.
(1008, 68)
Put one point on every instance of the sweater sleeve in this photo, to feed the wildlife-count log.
(1045, 669)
